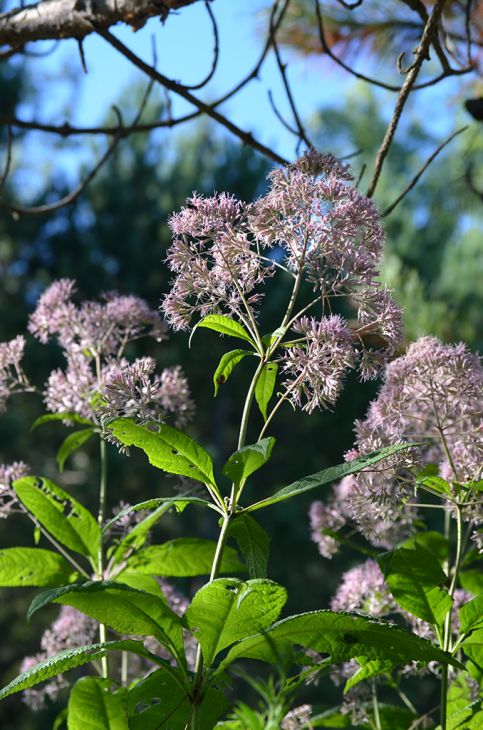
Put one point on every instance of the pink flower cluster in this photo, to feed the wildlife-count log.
(8, 474)
(69, 630)
(12, 377)
(98, 380)
(314, 225)
(433, 395)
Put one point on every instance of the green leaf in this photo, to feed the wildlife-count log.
(168, 698)
(265, 386)
(342, 636)
(226, 366)
(225, 325)
(141, 583)
(459, 694)
(472, 580)
(33, 567)
(254, 544)
(168, 449)
(248, 459)
(92, 706)
(135, 538)
(179, 503)
(372, 668)
(334, 473)
(471, 614)
(61, 515)
(469, 718)
(434, 542)
(67, 416)
(414, 578)
(435, 483)
(227, 610)
(473, 647)
(121, 608)
(69, 659)
(181, 558)
(72, 443)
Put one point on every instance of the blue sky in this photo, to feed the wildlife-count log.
(184, 52)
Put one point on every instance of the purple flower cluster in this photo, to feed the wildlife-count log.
(433, 395)
(314, 225)
(364, 589)
(8, 474)
(98, 381)
(69, 630)
(12, 377)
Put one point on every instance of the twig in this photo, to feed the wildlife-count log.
(67, 199)
(246, 137)
(216, 51)
(406, 88)
(416, 178)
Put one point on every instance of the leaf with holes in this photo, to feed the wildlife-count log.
(167, 449)
(226, 366)
(265, 387)
(72, 443)
(248, 459)
(70, 659)
(343, 637)
(415, 578)
(225, 326)
(34, 567)
(254, 544)
(333, 474)
(121, 608)
(93, 706)
(61, 515)
(181, 558)
(227, 610)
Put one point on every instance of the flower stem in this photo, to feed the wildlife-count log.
(100, 553)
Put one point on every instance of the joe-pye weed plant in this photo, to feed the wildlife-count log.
(316, 230)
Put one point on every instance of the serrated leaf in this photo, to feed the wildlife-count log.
(34, 567)
(225, 325)
(168, 449)
(372, 668)
(472, 580)
(226, 366)
(70, 659)
(334, 473)
(93, 706)
(179, 503)
(166, 696)
(61, 515)
(254, 544)
(120, 607)
(248, 459)
(342, 636)
(414, 578)
(473, 647)
(468, 718)
(72, 443)
(181, 558)
(226, 610)
(67, 416)
(434, 542)
(265, 386)
(471, 614)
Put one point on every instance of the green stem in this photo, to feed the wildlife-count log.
(248, 404)
(447, 622)
(100, 553)
(375, 706)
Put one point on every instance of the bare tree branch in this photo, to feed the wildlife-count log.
(421, 55)
(179, 89)
(56, 19)
(422, 170)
